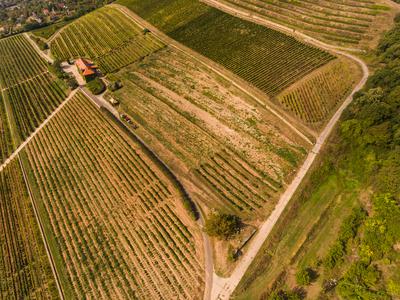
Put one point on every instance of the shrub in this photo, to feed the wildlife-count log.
(115, 85)
(222, 226)
(304, 276)
(96, 86)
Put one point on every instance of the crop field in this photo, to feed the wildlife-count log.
(313, 98)
(344, 21)
(106, 36)
(266, 58)
(6, 145)
(29, 92)
(19, 61)
(118, 219)
(25, 271)
(33, 100)
(234, 149)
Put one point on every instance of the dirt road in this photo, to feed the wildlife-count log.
(224, 287)
(40, 52)
(22, 146)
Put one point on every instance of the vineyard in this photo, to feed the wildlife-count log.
(230, 146)
(6, 146)
(27, 87)
(19, 61)
(33, 100)
(118, 220)
(344, 21)
(106, 36)
(313, 98)
(266, 58)
(25, 272)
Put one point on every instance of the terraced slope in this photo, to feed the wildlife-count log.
(217, 137)
(29, 92)
(107, 37)
(118, 220)
(269, 60)
(25, 271)
(345, 21)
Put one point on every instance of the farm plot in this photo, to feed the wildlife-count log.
(19, 61)
(346, 21)
(32, 101)
(6, 145)
(106, 36)
(314, 97)
(119, 222)
(268, 59)
(230, 146)
(25, 271)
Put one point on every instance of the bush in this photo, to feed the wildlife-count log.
(96, 86)
(222, 226)
(304, 276)
(72, 83)
(115, 85)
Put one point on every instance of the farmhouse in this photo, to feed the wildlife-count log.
(86, 68)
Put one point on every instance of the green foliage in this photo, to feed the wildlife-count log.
(304, 276)
(348, 230)
(114, 85)
(382, 228)
(284, 295)
(223, 226)
(359, 283)
(96, 86)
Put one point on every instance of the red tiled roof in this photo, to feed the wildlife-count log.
(85, 66)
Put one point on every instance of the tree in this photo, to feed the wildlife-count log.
(223, 226)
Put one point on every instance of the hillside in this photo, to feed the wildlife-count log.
(348, 22)
(184, 149)
(350, 240)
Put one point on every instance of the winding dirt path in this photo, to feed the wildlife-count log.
(222, 288)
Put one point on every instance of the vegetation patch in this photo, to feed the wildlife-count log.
(96, 86)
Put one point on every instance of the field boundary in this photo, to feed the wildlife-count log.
(39, 221)
(216, 68)
(224, 287)
(22, 146)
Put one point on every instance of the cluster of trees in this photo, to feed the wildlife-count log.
(18, 16)
(364, 261)
(370, 146)
(56, 69)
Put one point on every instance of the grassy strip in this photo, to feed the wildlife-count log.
(49, 234)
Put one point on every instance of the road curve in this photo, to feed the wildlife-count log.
(223, 287)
